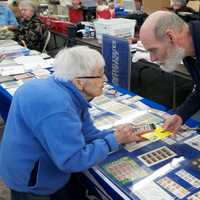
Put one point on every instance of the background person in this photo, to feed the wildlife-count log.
(180, 6)
(49, 133)
(31, 30)
(170, 40)
(139, 15)
(139, 6)
(103, 10)
(7, 18)
(14, 6)
(182, 10)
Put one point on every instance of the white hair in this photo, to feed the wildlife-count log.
(174, 58)
(168, 20)
(78, 61)
(29, 4)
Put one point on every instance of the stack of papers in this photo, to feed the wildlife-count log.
(6, 43)
(11, 69)
(34, 62)
(14, 51)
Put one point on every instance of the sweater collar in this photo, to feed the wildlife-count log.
(29, 20)
(74, 92)
(195, 31)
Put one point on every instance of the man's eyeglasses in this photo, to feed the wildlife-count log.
(90, 77)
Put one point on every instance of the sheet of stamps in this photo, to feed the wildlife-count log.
(173, 187)
(195, 196)
(125, 170)
(186, 176)
(194, 142)
(156, 156)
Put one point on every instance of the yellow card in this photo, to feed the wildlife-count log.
(157, 134)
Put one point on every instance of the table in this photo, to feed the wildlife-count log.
(91, 42)
(144, 162)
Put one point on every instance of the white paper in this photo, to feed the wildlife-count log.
(152, 192)
(33, 62)
(194, 142)
(141, 105)
(11, 70)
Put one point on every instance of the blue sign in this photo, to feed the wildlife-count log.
(117, 57)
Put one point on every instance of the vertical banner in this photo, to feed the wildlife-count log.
(116, 53)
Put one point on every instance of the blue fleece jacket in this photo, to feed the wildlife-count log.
(49, 135)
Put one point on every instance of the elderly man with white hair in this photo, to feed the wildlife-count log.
(170, 40)
(49, 133)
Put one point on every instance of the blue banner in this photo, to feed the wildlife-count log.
(117, 57)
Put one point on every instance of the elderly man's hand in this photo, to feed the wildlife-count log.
(124, 134)
(173, 123)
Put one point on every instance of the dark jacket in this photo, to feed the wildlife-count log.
(192, 104)
(32, 32)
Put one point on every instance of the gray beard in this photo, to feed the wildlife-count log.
(174, 59)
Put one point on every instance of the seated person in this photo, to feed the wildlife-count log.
(103, 10)
(75, 12)
(15, 9)
(31, 31)
(180, 6)
(111, 5)
(7, 18)
(139, 7)
(181, 9)
(50, 135)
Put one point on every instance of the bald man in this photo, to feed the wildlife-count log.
(170, 40)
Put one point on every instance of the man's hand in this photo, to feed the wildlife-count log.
(173, 123)
(124, 134)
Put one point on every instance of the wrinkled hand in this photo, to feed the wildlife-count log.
(2, 57)
(124, 134)
(173, 123)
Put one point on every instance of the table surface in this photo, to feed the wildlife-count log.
(126, 168)
(92, 42)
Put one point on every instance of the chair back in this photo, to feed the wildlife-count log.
(46, 41)
(71, 33)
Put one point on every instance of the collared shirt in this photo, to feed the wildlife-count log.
(7, 17)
